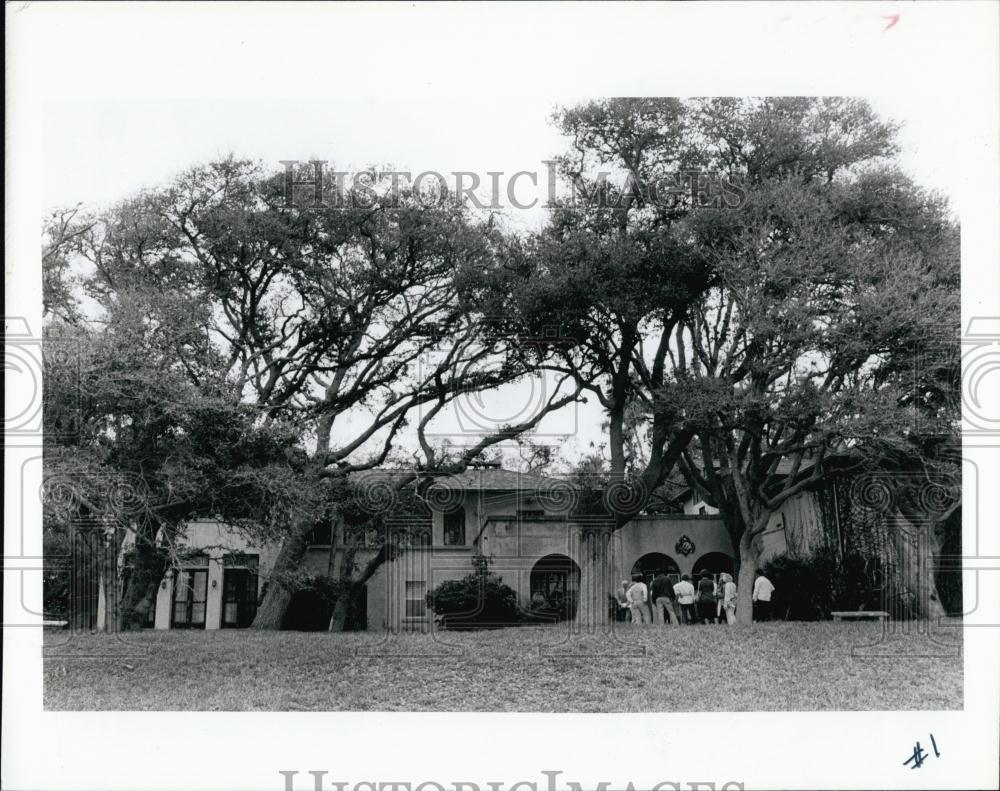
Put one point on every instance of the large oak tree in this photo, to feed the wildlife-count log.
(826, 291)
(340, 324)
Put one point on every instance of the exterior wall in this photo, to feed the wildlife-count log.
(695, 506)
(215, 540)
(796, 528)
(515, 547)
(317, 559)
(387, 590)
(661, 534)
(482, 505)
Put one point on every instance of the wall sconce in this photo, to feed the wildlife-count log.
(215, 583)
(163, 584)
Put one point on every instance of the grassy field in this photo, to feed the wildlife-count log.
(767, 667)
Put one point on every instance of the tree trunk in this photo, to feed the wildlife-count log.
(931, 605)
(346, 575)
(744, 582)
(138, 601)
(271, 612)
(616, 437)
(744, 562)
(949, 579)
(340, 609)
(917, 547)
(144, 583)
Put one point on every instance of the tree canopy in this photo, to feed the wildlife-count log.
(746, 286)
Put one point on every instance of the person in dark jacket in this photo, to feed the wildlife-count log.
(706, 599)
(661, 592)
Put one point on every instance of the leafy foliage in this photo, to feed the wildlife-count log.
(136, 448)
(246, 351)
(810, 588)
(479, 600)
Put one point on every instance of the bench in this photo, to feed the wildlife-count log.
(855, 615)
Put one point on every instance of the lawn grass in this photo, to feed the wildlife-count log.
(767, 667)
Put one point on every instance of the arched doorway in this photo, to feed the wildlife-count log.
(715, 563)
(555, 587)
(647, 565)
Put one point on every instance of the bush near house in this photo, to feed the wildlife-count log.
(474, 602)
(477, 601)
(803, 587)
(810, 588)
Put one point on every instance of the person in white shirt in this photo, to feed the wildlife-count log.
(637, 597)
(684, 591)
(762, 590)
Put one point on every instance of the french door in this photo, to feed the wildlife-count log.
(190, 595)
(239, 598)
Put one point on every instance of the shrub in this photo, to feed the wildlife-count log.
(862, 584)
(810, 588)
(477, 601)
(804, 588)
(312, 601)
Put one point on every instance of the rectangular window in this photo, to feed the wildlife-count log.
(239, 590)
(321, 533)
(239, 598)
(416, 605)
(190, 595)
(454, 528)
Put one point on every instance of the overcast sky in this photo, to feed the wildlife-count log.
(126, 100)
(99, 151)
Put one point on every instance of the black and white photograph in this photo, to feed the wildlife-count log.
(386, 409)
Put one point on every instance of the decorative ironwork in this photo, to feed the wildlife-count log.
(684, 546)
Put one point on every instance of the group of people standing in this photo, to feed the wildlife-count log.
(664, 602)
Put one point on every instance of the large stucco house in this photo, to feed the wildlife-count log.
(518, 520)
(524, 524)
